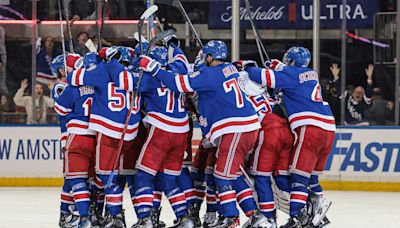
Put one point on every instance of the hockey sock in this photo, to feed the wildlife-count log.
(99, 188)
(199, 185)
(244, 196)
(283, 182)
(265, 195)
(186, 184)
(174, 194)
(227, 197)
(81, 195)
(315, 186)
(113, 195)
(211, 195)
(143, 194)
(67, 199)
(130, 179)
(157, 191)
(298, 193)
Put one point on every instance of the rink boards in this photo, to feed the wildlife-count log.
(362, 158)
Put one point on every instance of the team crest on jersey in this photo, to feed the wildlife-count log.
(194, 74)
(91, 67)
(203, 121)
(229, 70)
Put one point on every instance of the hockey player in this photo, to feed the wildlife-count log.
(75, 104)
(67, 199)
(309, 117)
(111, 105)
(164, 148)
(227, 118)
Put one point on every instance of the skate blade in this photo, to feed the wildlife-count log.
(318, 218)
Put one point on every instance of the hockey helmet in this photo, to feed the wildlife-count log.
(160, 54)
(57, 63)
(301, 57)
(217, 49)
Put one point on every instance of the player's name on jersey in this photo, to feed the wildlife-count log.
(30, 149)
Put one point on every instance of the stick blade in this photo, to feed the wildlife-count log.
(136, 37)
(90, 45)
(148, 12)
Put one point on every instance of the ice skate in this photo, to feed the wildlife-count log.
(117, 221)
(155, 218)
(321, 206)
(194, 210)
(85, 223)
(95, 217)
(143, 223)
(228, 222)
(259, 220)
(292, 223)
(210, 219)
(184, 222)
(71, 221)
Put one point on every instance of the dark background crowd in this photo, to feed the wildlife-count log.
(369, 96)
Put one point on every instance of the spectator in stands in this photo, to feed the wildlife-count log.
(41, 103)
(3, 63)
(79, 43)
(85, 10)
(381, 110)
(358, 100)
(44, 56)
(4, 104)
(104, 42)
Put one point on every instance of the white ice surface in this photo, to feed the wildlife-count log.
(39, 207)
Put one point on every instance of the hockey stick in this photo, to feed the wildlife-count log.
(178, 4)
(62, 36)
(90, 45)
(103, 12)
(144, 16)
(261, 49)
(66, 13)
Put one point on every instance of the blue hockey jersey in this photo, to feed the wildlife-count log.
(165, 108)
(61, 118)
(222, 104)
(75, 103)
(301, 93)
(263, 105)
(113, 85)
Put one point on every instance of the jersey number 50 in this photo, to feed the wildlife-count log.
(117, 100)
(230, 85)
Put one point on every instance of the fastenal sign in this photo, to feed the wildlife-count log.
(290, 14)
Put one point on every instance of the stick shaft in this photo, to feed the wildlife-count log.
(62, 35)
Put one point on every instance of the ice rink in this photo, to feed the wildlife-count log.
(39, 207)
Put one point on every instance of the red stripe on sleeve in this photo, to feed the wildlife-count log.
(182, 81)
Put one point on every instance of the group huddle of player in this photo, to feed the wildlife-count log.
(267, 122)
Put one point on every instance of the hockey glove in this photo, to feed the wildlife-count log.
(149, 65)
(171, 40)
(242, 64)
(274, 64)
